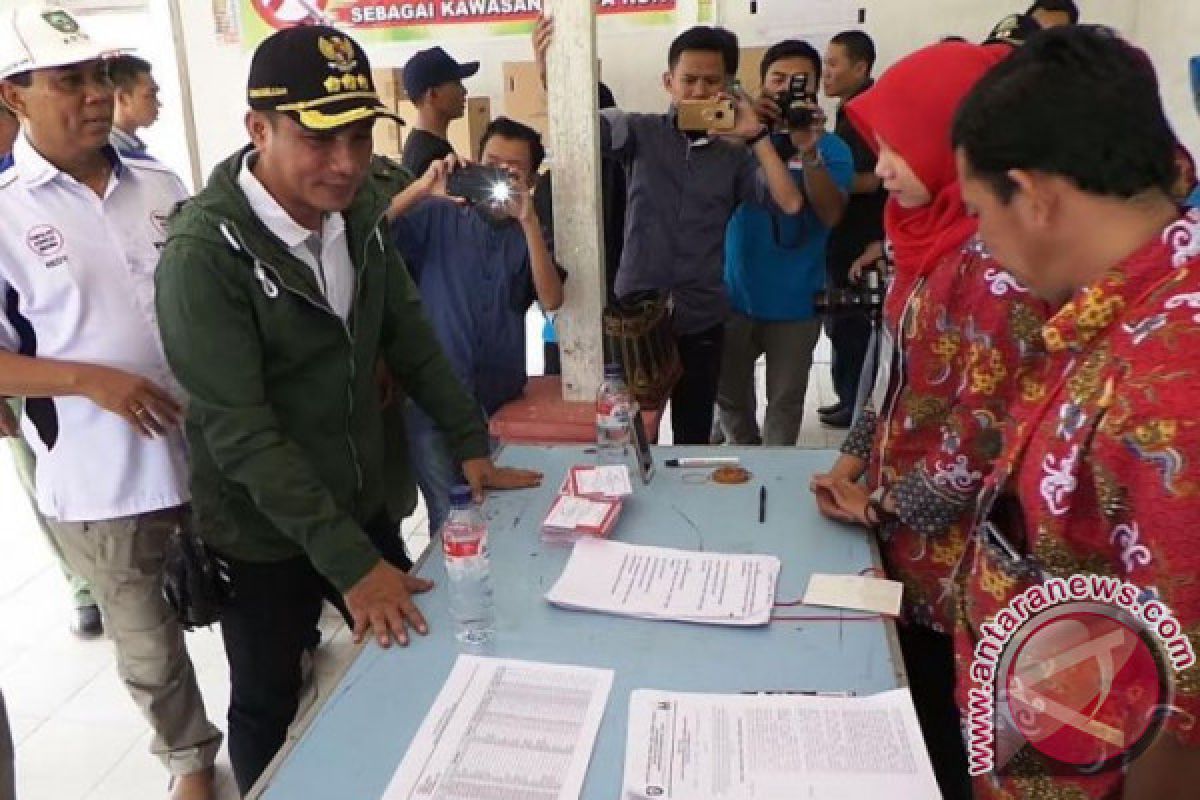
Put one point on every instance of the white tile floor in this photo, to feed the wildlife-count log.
(78, 735)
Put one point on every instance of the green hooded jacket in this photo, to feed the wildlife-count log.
(284, 428)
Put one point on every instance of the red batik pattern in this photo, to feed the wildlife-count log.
(1110, 480)
(964, 331)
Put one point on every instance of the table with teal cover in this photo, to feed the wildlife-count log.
(350, 746)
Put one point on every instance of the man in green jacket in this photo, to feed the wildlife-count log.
(278, 294)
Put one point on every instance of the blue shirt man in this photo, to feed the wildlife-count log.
(774, 263)
(475, 279)
(479, 270)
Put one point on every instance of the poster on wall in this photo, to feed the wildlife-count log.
(401, 21)
(767, 19)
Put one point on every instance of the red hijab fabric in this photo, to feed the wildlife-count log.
(911, 107)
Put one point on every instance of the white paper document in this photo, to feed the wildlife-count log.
(505, 728)
(777, 747)
(610, 481)
(660, 583)
(855, 592)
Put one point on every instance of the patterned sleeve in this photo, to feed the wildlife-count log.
(1003, 322)
(1145, 463)
(862, 435)
(925, 506)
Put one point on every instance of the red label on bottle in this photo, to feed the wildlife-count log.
(464, 548)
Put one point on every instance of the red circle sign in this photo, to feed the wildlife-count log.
(1084, 688)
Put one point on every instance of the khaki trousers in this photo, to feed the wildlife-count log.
(24, 460)
(122, 559)
(789, 350)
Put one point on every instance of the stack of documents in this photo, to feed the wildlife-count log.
(504, 728)
(777, 747)
(573, 517)
(659, 583)
(588, 503)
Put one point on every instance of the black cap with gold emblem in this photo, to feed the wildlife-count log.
(318, 76)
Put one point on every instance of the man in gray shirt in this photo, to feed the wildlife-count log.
(682, 190)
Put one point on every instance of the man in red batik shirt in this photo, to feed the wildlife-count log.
(1066, 157)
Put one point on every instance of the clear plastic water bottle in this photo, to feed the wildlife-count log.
(464, 545)
(614, 405)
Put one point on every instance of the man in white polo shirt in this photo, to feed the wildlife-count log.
(80, 231)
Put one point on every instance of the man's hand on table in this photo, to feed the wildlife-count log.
(381, 603)
(482, 474)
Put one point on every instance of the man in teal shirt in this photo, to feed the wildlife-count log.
(774, 263)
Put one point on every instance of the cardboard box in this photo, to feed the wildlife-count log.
(390, 85)
(749, 69)
(389, 137)
(464, 132)
(524, 97)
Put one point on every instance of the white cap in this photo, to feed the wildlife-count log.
(41, 35)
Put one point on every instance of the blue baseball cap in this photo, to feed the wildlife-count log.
(433, 67)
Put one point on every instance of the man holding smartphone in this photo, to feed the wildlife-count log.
(682, 189)
(479, 268)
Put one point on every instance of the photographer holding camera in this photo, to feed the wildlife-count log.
(480, 259)
(683, 187)
(774, 263)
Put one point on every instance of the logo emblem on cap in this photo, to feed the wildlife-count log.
(339, 52)
(62, 22)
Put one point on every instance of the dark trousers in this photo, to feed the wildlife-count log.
(694, 395)
(552, 357)
(849, 335)
(267, 625)
(929, 660)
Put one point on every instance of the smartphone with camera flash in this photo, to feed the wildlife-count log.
(702, 116)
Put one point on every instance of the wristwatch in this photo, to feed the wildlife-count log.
(877, 514)
(758, 137)
(818, 160)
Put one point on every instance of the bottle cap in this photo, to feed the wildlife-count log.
(460, 496)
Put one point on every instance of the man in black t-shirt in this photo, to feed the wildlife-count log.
(434, 82)
(847, 73)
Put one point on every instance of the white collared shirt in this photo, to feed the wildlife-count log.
(126, 143)
(327, 255)
(77, 276)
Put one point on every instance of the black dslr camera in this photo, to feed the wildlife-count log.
(865, 298)
(480, 185)
(793, 102)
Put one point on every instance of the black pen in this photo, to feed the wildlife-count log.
(762, 504)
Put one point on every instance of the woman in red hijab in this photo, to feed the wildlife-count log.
(956, 328)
